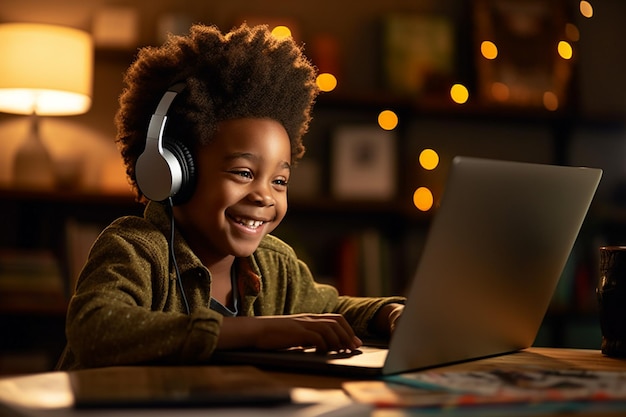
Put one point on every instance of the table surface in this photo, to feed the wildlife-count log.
(40, 391)
(550, 358)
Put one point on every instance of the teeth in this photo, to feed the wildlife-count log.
(252, 224)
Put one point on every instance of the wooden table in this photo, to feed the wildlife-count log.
(50, 394)
(550, 358)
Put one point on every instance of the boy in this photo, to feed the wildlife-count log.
(200, 271)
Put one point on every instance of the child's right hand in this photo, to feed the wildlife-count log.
(325, 332)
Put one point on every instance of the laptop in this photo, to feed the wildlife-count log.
(495, 250)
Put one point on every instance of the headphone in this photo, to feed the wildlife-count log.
(166, 167)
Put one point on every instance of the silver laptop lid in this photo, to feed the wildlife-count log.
(495, 251)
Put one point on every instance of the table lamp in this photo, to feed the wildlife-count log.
(45, 70)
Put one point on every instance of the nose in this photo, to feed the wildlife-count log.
(262, 196)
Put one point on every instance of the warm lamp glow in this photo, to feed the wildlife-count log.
(45, 69)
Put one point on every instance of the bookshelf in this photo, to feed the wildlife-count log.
(43, 239)
(335, 238)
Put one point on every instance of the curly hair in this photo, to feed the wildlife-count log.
(241, 74)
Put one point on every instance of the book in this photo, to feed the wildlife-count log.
(31, 280)
(79, 237)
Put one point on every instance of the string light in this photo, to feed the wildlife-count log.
(423, 199)
(429, 159)
(326, 82)
(459, 93)
(489, 49)
(565, 50)
(387, 120)
(586, 9)
(281, 32)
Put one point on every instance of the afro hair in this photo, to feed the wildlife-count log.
(246, 73)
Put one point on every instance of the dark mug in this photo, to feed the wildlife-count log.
(611, 293)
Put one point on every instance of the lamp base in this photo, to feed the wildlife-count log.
(33, 167)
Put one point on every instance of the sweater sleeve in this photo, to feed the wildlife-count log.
(127, 309)
(292, 289)
(322, 298)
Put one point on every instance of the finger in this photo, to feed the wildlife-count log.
(349, 340)
(337, 336)
(315, 339)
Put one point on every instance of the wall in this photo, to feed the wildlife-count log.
(599, 86)
(595, 134)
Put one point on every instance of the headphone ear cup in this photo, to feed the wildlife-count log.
(188, 169)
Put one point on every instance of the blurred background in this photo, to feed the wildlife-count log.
(406, 86)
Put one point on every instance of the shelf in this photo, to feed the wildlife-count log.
(33, 302)
(325, 205)
(328, 206)
(442, 107)
(66, 196)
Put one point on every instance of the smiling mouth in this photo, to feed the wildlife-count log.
(249, 223)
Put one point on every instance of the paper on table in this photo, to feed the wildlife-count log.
(490, 387)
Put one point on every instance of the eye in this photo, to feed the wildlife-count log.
(243, 173)
(282, 182)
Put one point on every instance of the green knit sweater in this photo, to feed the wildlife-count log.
(128, 309)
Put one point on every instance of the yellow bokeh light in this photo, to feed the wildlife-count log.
(423, 199)
(572, 32)
(326, 82)
(429, 159)
(586, 9)
(387, 120)
(281, 32)
(500, 91)
(550, 101)
(459, 93)
(565, 50)
(489, 49)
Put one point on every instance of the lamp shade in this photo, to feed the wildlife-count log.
(45, 69)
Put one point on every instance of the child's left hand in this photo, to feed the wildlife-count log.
(386, 318)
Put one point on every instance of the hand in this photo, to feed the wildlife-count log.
(386, 319)
(325, 332)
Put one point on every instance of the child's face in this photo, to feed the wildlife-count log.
(241, 192)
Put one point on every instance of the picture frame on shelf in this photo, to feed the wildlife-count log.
(363, 163)
(525, 69)
(419, 53)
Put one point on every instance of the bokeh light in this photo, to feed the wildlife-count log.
(572, 33)
(489, 49)
(586, 9)
(387, 120)
(550, 101)
(565, 50)
(429, 159)
(423, 199)
(326, 82)
(459, 93)
(500, 91)
(281, 32)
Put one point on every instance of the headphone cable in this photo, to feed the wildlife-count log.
(170, 206)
